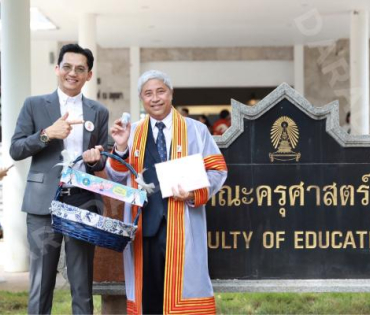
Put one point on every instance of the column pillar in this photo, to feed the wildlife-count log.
(299, 68)
(87, 39)
(16, 86)
(135, 104)
(359, 64)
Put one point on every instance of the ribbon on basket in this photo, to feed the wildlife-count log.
(103, 186)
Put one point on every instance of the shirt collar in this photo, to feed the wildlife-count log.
(64, 98)
(167, 121)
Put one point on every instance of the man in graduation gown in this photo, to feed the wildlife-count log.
(166, 267)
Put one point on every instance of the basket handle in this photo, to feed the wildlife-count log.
(113, 156)
(107, 154)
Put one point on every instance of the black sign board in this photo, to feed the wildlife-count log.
(295, 204)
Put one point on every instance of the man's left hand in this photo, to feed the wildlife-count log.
(180, 194)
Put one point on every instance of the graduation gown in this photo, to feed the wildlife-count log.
(187, 285)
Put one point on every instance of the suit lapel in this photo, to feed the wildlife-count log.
(53, 109)
(53, 106)
(89, 115)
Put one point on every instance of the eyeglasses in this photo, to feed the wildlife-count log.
(78, 70)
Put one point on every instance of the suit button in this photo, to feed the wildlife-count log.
(60, 158)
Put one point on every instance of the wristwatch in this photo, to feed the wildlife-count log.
(44, 137)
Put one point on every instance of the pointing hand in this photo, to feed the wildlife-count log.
(62, 127)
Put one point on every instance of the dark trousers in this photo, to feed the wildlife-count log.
(44, 256)
(154, 254)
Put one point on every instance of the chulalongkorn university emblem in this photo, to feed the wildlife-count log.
(284, 137)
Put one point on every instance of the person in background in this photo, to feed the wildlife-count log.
(204, 119)
(48, 124)
(185, 112)
(347, 125)
(221, 125)
(171, 241)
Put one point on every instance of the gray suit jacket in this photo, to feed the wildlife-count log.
(40, 112)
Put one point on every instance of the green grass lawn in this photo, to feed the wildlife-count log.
(293, 303)
(228, 303)
(16, 303)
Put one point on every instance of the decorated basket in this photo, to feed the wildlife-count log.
(92, 227)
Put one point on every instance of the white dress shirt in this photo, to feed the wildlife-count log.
(74, 142)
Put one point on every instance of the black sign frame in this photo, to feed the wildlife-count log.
(296, 201)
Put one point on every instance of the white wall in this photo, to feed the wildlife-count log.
(257, 73)
(43, 78)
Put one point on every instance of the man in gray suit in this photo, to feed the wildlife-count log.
(46, 125)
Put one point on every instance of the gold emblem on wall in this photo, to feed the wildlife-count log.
(284, 138)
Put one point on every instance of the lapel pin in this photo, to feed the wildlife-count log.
(89, 126)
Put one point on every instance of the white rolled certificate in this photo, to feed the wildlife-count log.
(189, 172)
